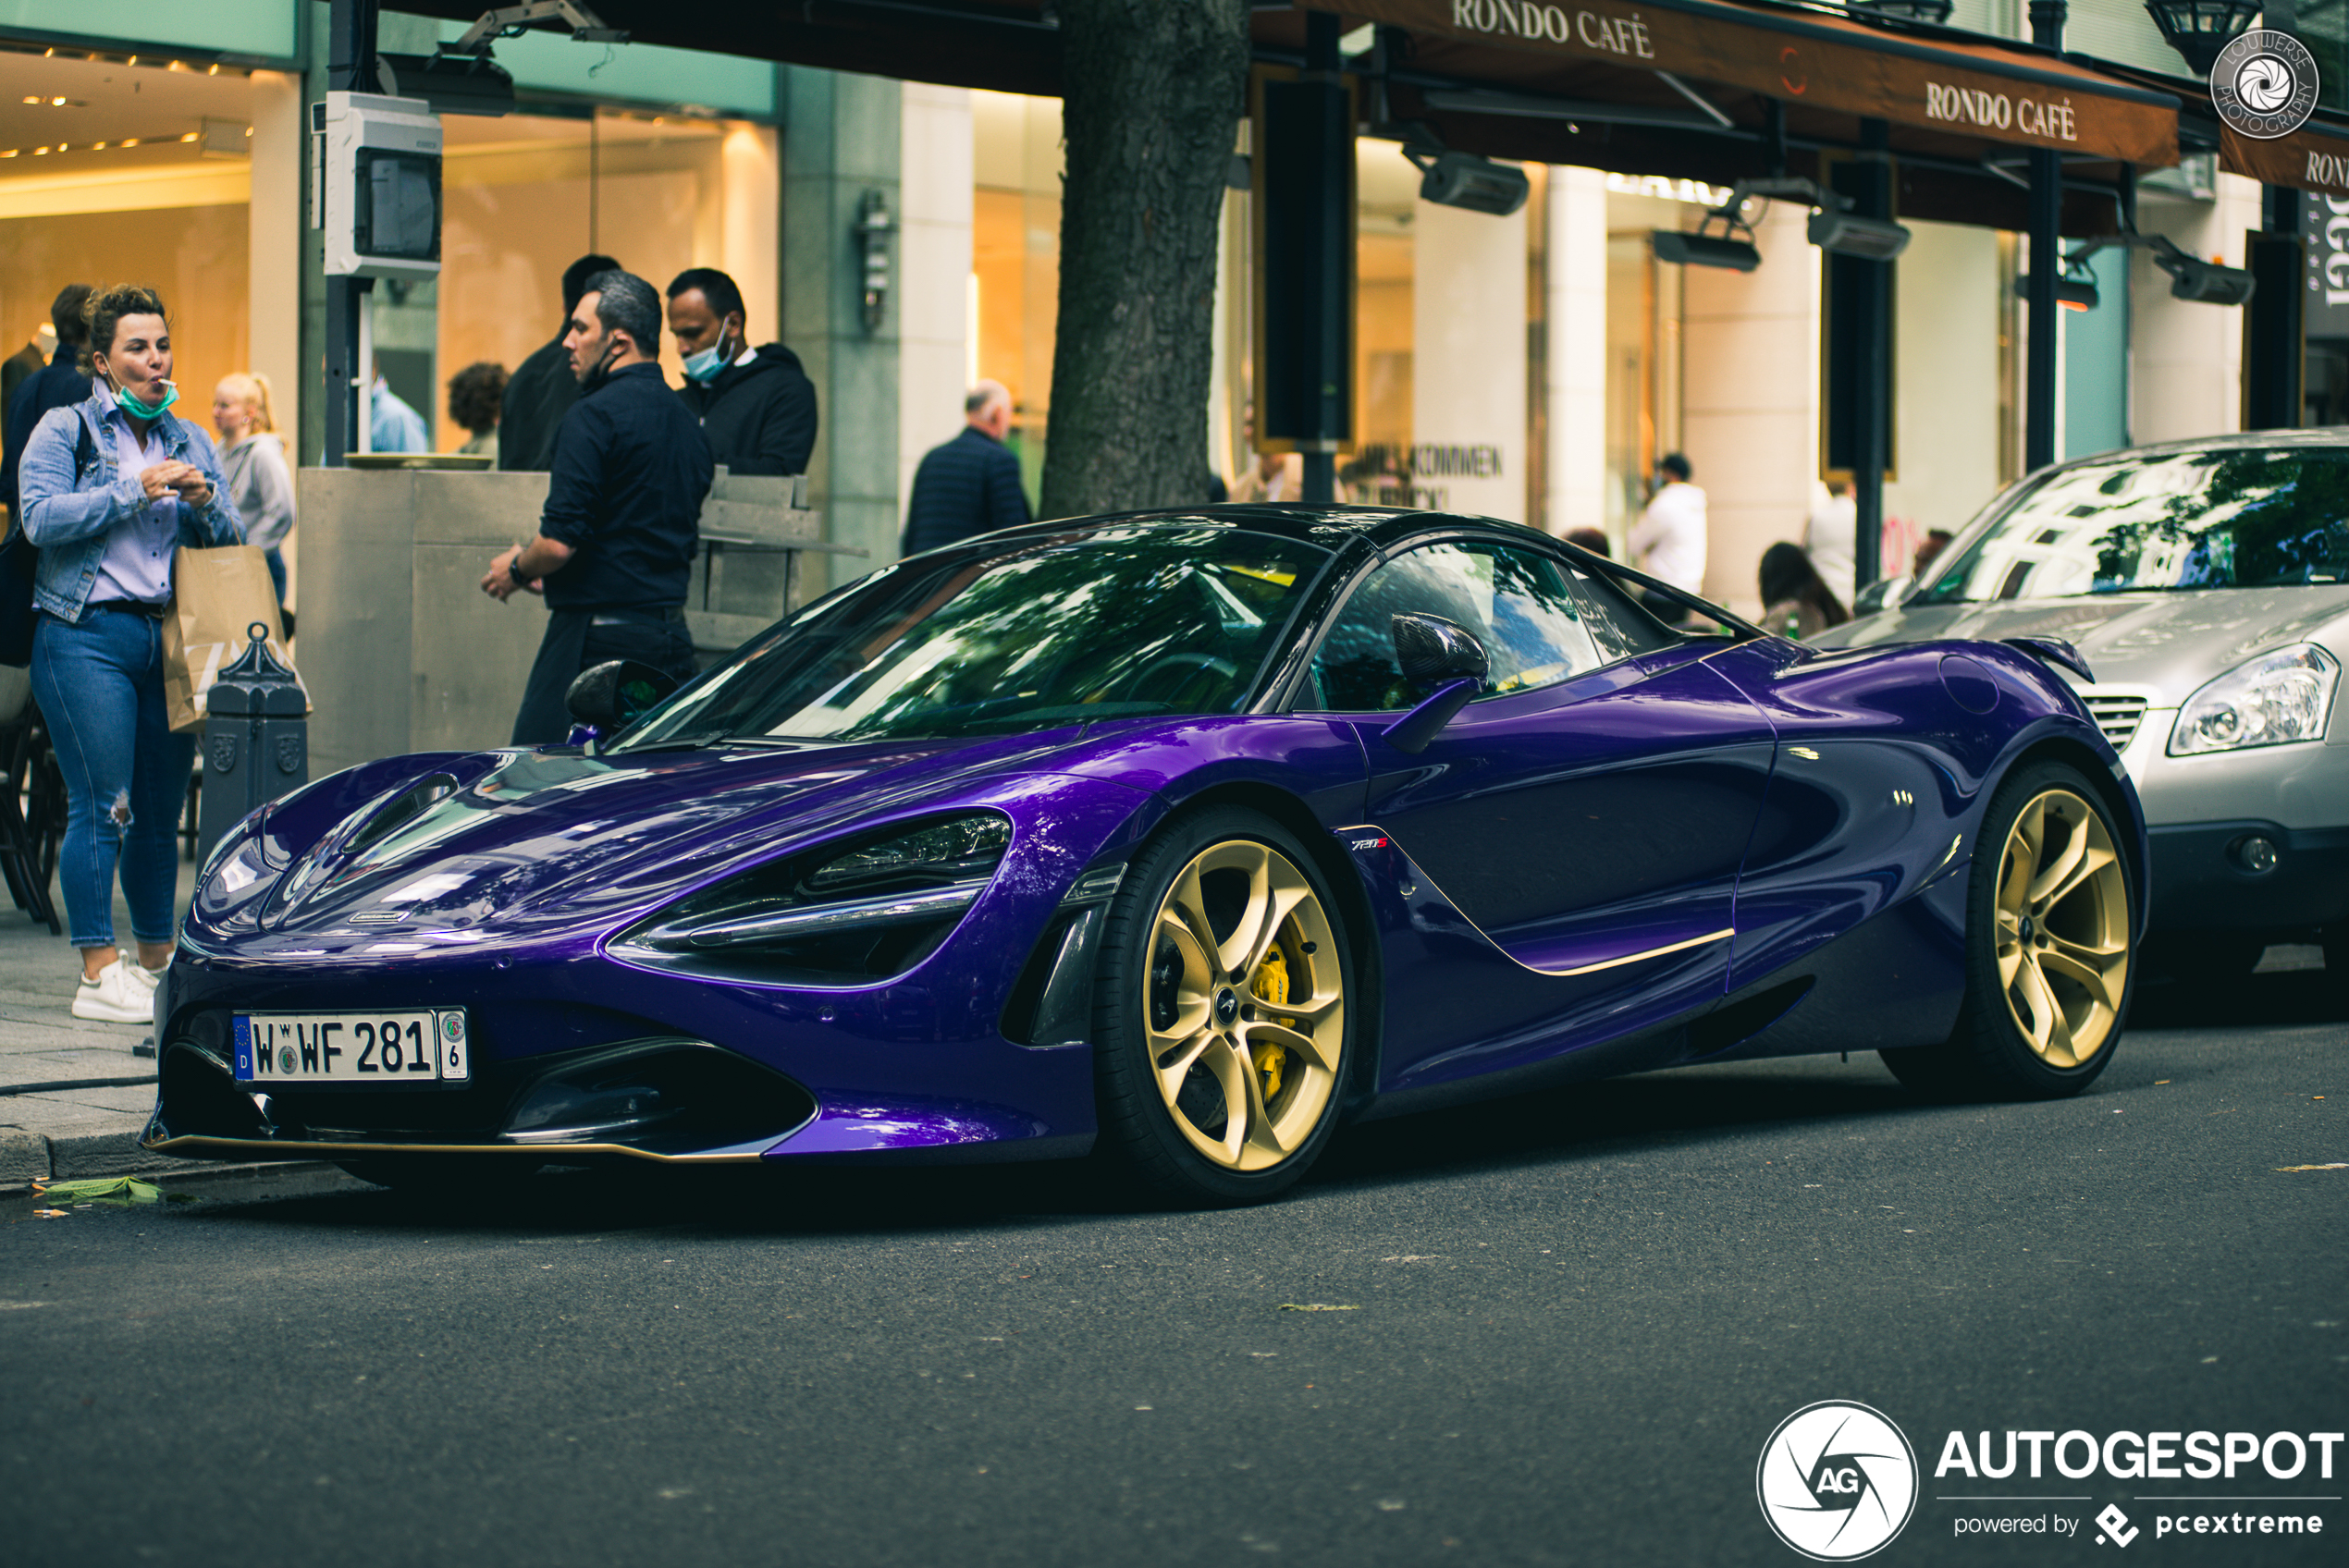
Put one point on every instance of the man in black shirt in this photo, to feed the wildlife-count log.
(542, 390)
(756, 405)
(615, 546)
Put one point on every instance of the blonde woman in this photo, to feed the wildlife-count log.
(253, 458)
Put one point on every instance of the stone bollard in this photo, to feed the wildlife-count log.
(256, 742)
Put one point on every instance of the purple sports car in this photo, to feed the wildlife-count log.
(1180, 839)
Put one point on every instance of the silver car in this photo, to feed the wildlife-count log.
(2206, 585)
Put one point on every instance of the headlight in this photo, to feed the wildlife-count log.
(843, 914)
(2275, 698)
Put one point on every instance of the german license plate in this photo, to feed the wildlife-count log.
(299, 1048)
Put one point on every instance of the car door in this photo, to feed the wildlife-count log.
(1573, 836)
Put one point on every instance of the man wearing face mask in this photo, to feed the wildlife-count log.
(615, 545)
(756, 405)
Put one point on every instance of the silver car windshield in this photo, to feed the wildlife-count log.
(2238, 518)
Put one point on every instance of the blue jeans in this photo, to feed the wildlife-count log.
(100, 687)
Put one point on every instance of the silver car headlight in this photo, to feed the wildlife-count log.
(2274, 699)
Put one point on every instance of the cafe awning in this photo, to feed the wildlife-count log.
(2315, 158)
(1680, 88)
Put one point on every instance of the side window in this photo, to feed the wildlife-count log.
(1517, 603)
(1621, 624)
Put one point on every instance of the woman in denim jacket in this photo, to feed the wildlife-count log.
(110, 487)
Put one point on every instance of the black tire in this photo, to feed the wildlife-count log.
(443, 1175)
(1170, 1143)
(1993, 1053)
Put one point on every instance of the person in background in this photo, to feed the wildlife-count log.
(1589, 539)
(1277, 478)
(1669, 540)
(476, 398)
(1936, 541)
(1831, 536)
(1800, 602)
(392, 424)
(970, 485)
(59, 384)
(756, 405)
(28, 362)
(543, 388)
(252, 462)
(615, 545)
(112, 487)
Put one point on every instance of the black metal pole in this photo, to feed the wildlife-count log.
(1320, 480)
(1872, 422)
(351, 67)
(2274, 326)
(2042, 317)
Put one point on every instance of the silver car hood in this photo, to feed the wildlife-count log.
(2169, 642)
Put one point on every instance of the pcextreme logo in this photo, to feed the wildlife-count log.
(1836, 1480)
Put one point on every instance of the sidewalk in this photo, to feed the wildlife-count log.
(85, 1125)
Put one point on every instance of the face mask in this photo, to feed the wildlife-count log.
(602, 373)
(137, 409)
(705, 365)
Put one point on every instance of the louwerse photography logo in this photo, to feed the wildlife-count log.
(1836, 1480)
(2265, 84)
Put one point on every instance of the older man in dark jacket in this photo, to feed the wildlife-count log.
(970, 485)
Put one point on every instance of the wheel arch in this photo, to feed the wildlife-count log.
(2118, 798)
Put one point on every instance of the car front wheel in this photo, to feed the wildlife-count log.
(2050, 955)
(1221, 1013)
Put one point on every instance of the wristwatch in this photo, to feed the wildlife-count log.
(513, 575)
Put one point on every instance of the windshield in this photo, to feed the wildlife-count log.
(1067, 629)
(2261, 517)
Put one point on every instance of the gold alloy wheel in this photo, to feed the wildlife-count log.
(1244, 1005)
(2064, 929)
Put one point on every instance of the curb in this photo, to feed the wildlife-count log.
(26, 1157)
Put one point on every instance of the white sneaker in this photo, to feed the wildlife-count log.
(150, 978)
(115, 997)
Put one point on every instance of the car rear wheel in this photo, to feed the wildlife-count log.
(1221, 1013)
(2050, 957)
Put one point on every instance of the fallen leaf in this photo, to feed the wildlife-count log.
(116, 1192)
(49, 1214)
(2336, 1165)
(1315, 1306)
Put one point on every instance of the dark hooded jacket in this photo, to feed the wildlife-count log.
(760, 417)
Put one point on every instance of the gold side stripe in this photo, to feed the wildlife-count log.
(1722, 935)
(544, 1151)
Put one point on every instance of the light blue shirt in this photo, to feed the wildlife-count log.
(392, 425)
(137, 564)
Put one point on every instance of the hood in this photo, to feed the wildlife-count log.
(522, 840)
(772, 358)
(2170, 642)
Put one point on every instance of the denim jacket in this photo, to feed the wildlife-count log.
(67, 514)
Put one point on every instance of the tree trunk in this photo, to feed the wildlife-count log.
(1153, 88)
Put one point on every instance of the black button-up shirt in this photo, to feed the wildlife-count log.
(630, 470)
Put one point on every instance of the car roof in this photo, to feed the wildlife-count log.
(2241, 441)
(1332, 527)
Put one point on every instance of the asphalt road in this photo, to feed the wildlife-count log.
(1568, 1325)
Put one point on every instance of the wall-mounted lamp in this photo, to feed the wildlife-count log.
(875, 227)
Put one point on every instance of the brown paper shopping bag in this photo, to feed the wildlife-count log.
(216, 595)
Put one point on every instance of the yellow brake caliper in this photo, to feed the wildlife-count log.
(1271, 986)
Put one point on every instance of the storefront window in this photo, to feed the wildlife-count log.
(1016, 245)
